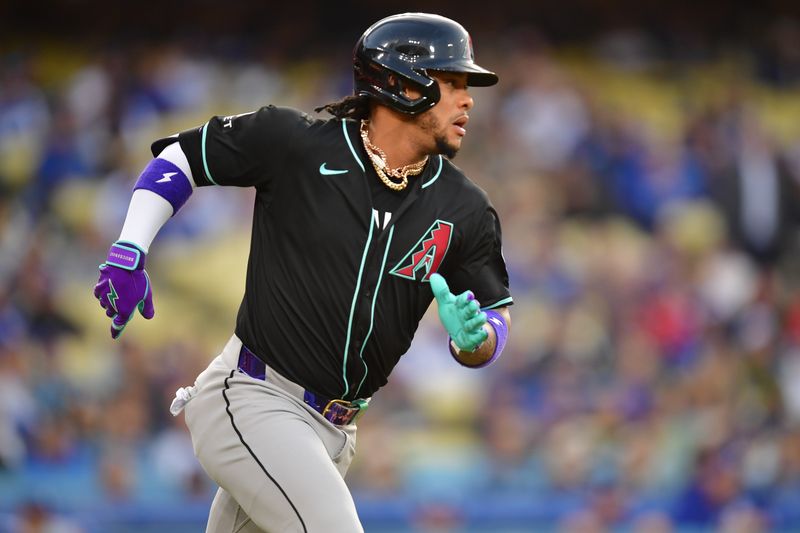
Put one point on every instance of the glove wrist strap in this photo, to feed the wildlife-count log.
(125, 255)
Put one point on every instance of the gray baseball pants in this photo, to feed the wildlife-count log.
(279, 464)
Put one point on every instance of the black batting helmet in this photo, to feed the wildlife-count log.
(408, 46)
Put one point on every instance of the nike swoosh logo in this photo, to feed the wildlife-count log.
(167, 177)
(325, 171)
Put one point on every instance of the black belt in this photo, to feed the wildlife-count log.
(337, 411)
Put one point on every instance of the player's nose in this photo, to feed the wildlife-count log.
(466, 102)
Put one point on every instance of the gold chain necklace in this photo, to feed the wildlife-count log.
(378, 158)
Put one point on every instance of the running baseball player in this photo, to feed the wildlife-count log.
(360, 222)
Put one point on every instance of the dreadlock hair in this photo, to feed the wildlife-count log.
(355, 107)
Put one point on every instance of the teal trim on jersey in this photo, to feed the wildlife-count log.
(350, 144)
(501, 303)
(435, 176)
(372, 310)
(353, 308)
(205, 162)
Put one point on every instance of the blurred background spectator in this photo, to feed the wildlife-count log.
(645, 162)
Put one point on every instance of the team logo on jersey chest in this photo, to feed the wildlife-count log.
(427, 254)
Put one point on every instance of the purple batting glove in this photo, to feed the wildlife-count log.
(124, 286)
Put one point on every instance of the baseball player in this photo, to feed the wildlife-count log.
(360, 222)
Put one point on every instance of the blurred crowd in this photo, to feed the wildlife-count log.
(650, 213)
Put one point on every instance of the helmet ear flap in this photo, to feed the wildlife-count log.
(401, 86)
(427, 96)
(389, 85)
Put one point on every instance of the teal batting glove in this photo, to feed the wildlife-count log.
(460, 315)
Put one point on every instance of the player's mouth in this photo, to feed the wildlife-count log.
(460, 125)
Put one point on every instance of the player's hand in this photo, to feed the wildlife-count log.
(460, 315)
(124, 287)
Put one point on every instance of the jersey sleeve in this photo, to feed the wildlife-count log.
(240, 150)
(482, 268)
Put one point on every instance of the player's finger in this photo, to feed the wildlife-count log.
(480, 336)
(109, 312)
(116, 331)
(120, 320)
(439, 287)
(105, 304)
(464, 298)
(118, 324)
(469, 310)
(101, 289)
(475, 323)
(146, 306)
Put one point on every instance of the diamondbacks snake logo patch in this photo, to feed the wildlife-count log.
(427, 254)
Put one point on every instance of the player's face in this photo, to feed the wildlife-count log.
(445, 123)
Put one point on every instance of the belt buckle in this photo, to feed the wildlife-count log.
(342, 412)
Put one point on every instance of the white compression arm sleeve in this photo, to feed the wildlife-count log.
(148, 212)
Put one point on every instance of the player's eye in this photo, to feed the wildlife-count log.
(450, 82)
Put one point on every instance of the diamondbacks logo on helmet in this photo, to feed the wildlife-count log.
(427, 255)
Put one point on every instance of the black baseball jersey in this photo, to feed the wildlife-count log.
(337, 278)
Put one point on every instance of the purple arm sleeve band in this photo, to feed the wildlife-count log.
(166, 180)
(497, 322)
